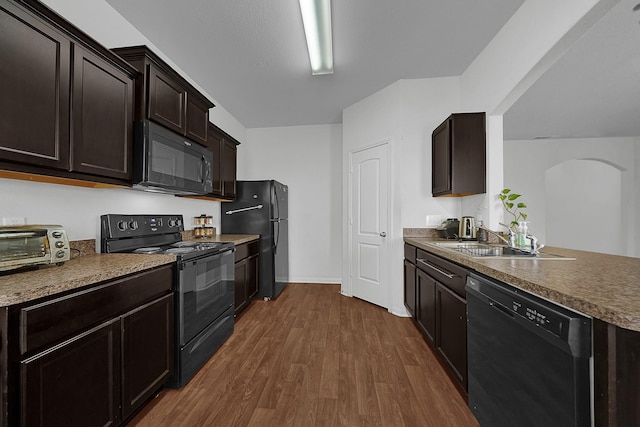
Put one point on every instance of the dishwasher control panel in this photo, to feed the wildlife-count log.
(515, 302)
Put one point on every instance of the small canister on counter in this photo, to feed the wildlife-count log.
(483, 235)
(203, 226)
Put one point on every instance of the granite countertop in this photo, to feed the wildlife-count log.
(90, 268)
(606, 287)
(236, 239)
(83, 270)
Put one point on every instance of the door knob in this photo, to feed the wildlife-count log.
(383, 234)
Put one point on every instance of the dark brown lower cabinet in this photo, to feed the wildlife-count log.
(426, 315)
(451, 333)
(440, 308)
(74, 383)
(88, 358)
(410, 287)
(147, 353)
(246, 274)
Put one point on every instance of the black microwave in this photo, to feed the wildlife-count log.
(166, 162)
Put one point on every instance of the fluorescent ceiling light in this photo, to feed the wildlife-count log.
(316, 18)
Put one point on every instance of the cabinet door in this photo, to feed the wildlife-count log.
(410, 287)
(451, 340)
(197, 121)
(240, 281)
(102, 117)
(229, 156)
(215, 143)
(76, 383)
(426, 309)
(148, 353)
(441, 159)
(252, 277)
(34, 91)
(167, 101)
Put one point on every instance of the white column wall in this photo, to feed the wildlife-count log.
(308, 159)
(517, 56)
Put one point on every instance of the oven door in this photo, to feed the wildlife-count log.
(205, 290)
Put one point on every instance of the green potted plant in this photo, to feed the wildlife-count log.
(512, 206)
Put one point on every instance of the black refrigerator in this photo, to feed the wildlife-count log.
(261, 207)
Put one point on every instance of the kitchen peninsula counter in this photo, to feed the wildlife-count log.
(606, 287)
(24, 286)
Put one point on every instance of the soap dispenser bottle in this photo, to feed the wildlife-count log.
(520, 236)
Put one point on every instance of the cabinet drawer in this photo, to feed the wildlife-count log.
(51, 321)
(246, 249)
(410, 253)
(448, 273)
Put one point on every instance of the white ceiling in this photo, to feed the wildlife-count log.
(250, 55)
(592, 91)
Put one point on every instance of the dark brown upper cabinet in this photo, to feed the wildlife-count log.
(166, 97)
(224, 148)
(458, 155)
(66, 102)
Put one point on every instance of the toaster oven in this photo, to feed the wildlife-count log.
(32, 245)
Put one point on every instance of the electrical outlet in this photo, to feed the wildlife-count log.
(14, 220)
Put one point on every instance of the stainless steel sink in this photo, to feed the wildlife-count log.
(482, 250)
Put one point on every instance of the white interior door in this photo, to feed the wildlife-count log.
(369, 225)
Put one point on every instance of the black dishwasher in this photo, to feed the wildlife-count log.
(529, 359)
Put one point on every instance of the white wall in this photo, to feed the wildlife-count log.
(78, 209)
(308, 160)
(527, 164)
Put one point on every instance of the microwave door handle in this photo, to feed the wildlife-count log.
(203, 168)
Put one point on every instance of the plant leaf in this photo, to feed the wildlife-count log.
(524, 215)
(506, 190)
(510, 205)
(521, 205)
(514, 196)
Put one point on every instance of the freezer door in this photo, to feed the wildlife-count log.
(250, 213)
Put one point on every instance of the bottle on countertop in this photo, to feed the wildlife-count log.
(483, 235)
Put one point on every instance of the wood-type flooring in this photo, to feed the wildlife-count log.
(313, 357)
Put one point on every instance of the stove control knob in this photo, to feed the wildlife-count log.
(178, 222)
(122, 225)
(59, 244)
(172, 222)
(133, 224)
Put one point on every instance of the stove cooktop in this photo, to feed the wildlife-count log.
(153, 234)
(183, 247)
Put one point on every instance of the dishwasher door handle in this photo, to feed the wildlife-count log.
(501, 307)
(444, 273)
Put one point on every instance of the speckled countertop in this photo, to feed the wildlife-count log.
(236, 239)
(89, 268)
(84, 270)
(606, 287)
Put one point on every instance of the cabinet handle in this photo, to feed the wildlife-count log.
(449, 276)
(383, 234)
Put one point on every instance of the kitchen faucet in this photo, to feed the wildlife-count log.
(511, 241)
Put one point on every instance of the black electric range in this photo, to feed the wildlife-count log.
(153, 234)
(204, 283)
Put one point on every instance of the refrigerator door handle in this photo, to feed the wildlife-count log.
(231, 212)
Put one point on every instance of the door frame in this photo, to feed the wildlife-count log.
(347, 288)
